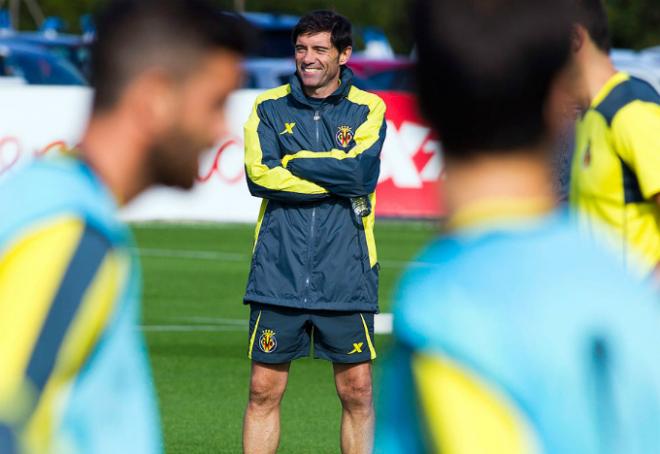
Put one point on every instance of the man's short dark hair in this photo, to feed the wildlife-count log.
(486, 68)
(325, 21)
(592, 15)
(134, 35)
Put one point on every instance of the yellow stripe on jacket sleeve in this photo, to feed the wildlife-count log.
(92, 318)
(465, 415)
(366, 134)
(260, 220)
(277, 178)
(30, 273)
(369, 222)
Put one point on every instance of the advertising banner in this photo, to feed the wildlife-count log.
(37, 121)
(411, 163)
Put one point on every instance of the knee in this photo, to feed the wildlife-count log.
(356, 394)
(265, 394)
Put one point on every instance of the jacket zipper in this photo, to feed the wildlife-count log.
(317, 117)
(310, 257)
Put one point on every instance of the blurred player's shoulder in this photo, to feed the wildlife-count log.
(51, 189)
(274, 93)
(524, 275)
(621, 91)
(531, 311)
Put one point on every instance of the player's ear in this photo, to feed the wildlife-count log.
(345, 55)
(153, 100)
(578, 37)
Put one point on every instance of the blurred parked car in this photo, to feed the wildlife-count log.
(383, 74)
(275, 34)
(652, 50)
(29, 64)
(276, 30)
(638, 65)
(71, 47)
(50, 36)
(651, 56)
(264, 73)
(371, 75)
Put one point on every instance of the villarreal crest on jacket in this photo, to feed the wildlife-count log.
(307, 158)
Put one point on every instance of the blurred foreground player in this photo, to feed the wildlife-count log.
(512, 335)
(74, 375)
(615, 176)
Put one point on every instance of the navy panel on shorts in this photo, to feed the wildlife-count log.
(281, 334)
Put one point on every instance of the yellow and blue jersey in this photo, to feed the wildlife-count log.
(307, 158)
(513, 335)
(615, 173)
(74, 376)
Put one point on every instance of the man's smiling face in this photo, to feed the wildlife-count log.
(318, 63)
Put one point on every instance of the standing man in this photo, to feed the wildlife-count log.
(615, 177)
(74, 375)
(515, 335)
(312, 152)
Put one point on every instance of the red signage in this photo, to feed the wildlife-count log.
(411, 163)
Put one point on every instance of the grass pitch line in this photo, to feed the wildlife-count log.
(217, 320)
(382, 325)
(187, 328)
(199, 255)
(237, 257)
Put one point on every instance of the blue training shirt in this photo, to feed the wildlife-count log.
(74, 375)
(514, 335)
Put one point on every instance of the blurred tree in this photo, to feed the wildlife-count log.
(634, 23)
(386, 14)
(390, 15)
(70, 11)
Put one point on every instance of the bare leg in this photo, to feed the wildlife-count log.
(354, 387)
(261, 426)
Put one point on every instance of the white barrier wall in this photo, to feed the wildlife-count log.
(34, 118)
(221, 193)
(38, 120)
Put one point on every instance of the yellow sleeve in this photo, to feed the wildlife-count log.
(464, 414)
(266, 176)
(58, 284)
(636, 136)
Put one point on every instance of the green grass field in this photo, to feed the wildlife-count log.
(196, 329)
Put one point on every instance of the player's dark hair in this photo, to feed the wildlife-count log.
(592, 15)
(325, 21)
(173, 35)
(486, 68)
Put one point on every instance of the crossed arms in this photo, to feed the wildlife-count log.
(314, 175)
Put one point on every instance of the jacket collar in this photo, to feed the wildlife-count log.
(345, 77)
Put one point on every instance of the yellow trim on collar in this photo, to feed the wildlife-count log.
(500, 210)
(608, 87)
